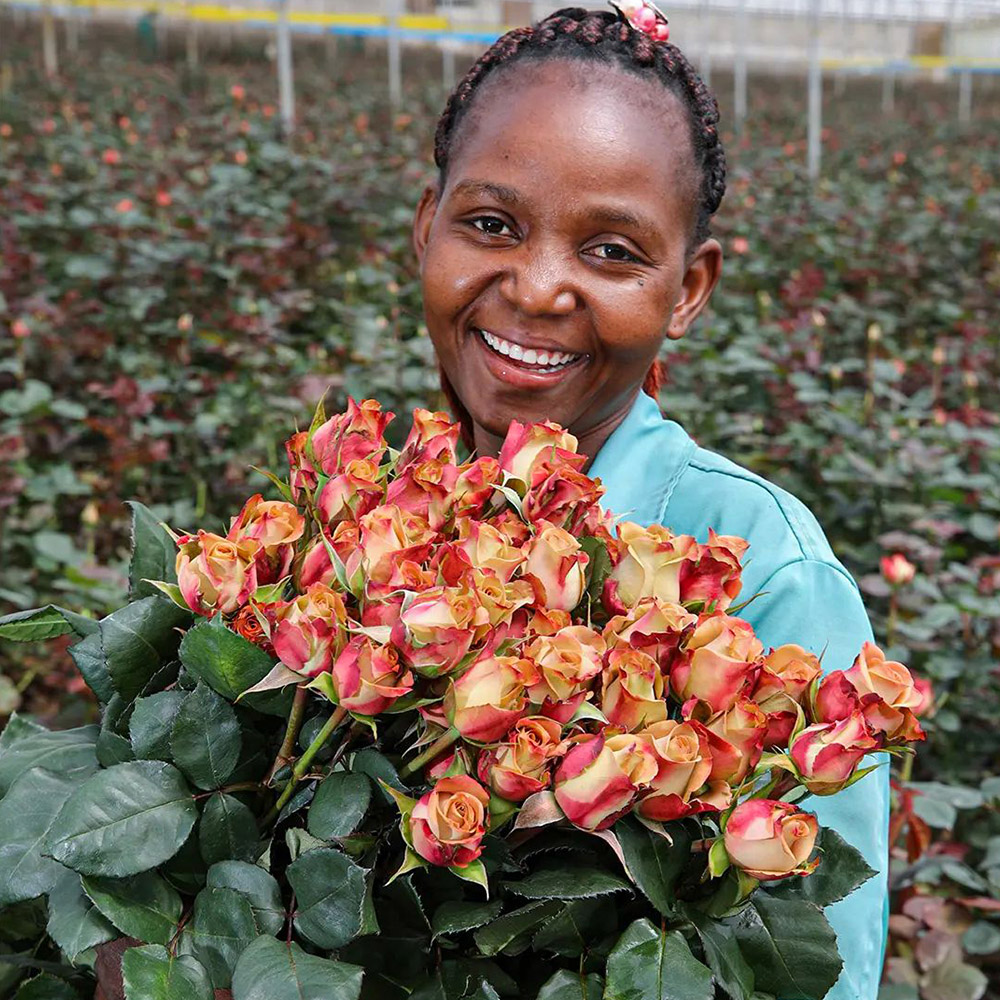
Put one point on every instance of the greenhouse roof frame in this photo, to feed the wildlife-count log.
(911, 11)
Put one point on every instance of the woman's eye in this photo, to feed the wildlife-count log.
(490, 224)
(615, 252)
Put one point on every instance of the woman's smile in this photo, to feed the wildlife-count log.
(524, 362)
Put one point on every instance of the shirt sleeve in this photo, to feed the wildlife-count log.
(817, 605)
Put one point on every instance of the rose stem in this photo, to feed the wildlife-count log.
(441, 744)
(291, 732)
(302, 764)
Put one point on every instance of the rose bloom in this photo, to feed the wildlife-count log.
(488, 548)
(309, 630)
(489, 697)
(563, 498)
(447, 825)
(248, 624)
(352, 494)
(712, 577)
(500, 601)
(655, 627)
(216, 574)
(567, 664)
(647, 563)
(277, 525)
(828, 753)
(386, 531)
(317, 566)
(522, 764)
(717, 662)
(368, 677)
(475, 485)
(527, 444)
(926, 691)
(681, 786)
(438, 628)
(556, 566)
(632, 689)
(427, 490)
(771, 840)
(887, 692)
(355, 434)
(897, 569)
(432, 436)
(743, 728)
(600, 776)
(789, 669)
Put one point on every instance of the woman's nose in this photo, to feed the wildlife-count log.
(538, 283)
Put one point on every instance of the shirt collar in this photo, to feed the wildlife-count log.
(641, 462)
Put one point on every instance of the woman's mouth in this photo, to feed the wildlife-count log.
(528, 359)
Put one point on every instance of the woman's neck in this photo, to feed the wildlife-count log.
(589, 443)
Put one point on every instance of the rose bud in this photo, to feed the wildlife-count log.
(782, 712)
(652, 626)
(527, 444)
(216, 574)
(488, 548)
(433, 436)
(926, 691)
(351, 435)
(500, 601)
(836, 698)
(522, 764)
(827, 753)
(888, 695)
(711, 576)
(789, 669)
(425, 489)
(437, 629)
(600, 776)
(562, 498)
(309, 631)
(277, 525)
(368, 677)
(567, 663)
(475, 486)
(897, 569)
(447, 825)
(742, 727)
(352, 494)
(684, 765)
(556, 567)
(386, 531)
(317, 566)
(632, 690)
(717, 662)
(489, 697)
(302, 476)
(771, 840)
(248, 624)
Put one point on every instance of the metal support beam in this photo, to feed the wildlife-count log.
(395, 56)
(815, 94)
(740, 70)
(50, 45)
(448, 52)
(286, 83)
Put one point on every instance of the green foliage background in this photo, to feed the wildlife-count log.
(852, 355)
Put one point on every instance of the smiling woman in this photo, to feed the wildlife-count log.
(566, 238)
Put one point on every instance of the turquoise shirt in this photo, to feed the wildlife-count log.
(655, 474)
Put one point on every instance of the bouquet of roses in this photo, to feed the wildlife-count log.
(400, 731)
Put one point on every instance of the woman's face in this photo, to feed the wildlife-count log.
(556, 257)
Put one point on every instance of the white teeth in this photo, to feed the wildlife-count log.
(551, 361)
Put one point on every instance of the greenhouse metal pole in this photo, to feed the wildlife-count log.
(286, 83)
(192, 40)
(705, 38)
(395, 62)
(73, 28)
(50, 48)
(448, 52)
(740, 69)
(888, 73)
(815, 93)
(965, 97)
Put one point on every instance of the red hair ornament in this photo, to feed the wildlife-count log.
(645, 17)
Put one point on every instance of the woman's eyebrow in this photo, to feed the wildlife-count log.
(499, 191)
(621, 217)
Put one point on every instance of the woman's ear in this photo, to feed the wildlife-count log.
(423, 216)
(702, 275)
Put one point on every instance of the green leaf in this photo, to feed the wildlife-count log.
(503, 931)
(75, 924)
(27, 813)
(379, 768)
(223, 926)
(152, 973)
(44, 623)
(790, 946)
(456, 916)
(651, 964)
(142, 906)
(112, 745)
(139, 639)
(841, 870)
(273, 970)
(570, 932)
(225, 661)
(206, 741)
(339, 805)
(152, 722)
(154, 553)
(654, 862)
(227, 830)
(88, 655)
(568, 883)
(46, 987)
(330, 893)
(566, 985)
(722, 952)
(257, 885)
(124, 820)
(25, 744)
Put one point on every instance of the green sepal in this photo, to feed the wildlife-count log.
(271, 591)
(718, 858)
(171, 591)
(323, 683)
(474, 871)
(411, 861)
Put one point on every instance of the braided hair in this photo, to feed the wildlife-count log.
(601, 36)
(598, 36)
